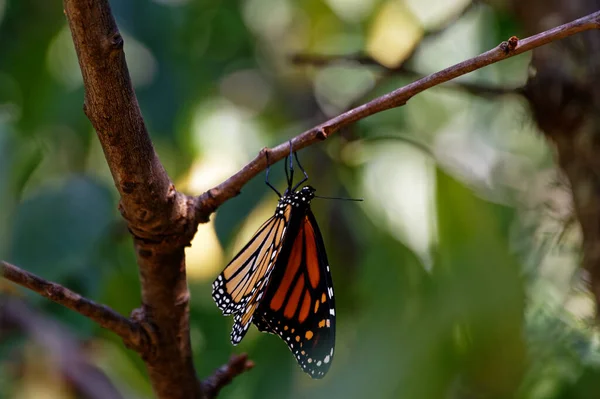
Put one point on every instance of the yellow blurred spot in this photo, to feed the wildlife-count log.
(309, 334)
(257, 217)
(394, 34)
(207, 173)
(205, 257)
(41, 377)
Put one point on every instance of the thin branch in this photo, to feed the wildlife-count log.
(127, 329)
(237, 365)
(478, 89)
(213, 198)
(62, 346)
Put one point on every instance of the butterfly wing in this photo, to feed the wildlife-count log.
(241, 285)
(299, 305)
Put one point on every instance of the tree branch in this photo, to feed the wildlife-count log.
(476, 89)
(209, 201)
(64, 349)
(160, 219)
(237, 365)
(128, 330)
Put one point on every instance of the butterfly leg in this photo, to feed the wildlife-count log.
(291, 167)
(303, 171)
(287, 174)
(267, 176)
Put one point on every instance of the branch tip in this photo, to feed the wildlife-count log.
(223, 376)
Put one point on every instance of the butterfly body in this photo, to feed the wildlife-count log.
(281, 282)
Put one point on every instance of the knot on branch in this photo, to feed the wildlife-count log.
(321, 134)
(148, 338)
(114, 42)
(170, 224)
(510, 45)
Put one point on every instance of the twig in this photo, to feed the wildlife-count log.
(128, 330)
(63, 347)
(222, 376)
(213, 198)
(477, 89)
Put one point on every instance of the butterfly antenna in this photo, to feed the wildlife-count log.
(341, 198)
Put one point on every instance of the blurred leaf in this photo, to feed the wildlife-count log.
(57, 231)
(394, 34)
(480, 284)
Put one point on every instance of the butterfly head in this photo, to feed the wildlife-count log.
(307, 191)
(299, 197)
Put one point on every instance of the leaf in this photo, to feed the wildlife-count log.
(58, 231)
(479, 283)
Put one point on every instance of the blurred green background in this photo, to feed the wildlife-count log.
(457, 276)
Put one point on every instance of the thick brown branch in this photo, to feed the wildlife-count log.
(149, 201)
(63, 348)
(128, 330)
(212, 199)
(222, 376)
(160, 219)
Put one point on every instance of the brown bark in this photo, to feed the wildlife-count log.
(157, 215)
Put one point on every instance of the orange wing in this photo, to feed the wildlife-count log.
(239, 288)
(299, 305)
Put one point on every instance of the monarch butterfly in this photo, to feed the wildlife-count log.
(281, 281)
